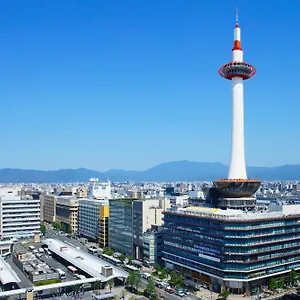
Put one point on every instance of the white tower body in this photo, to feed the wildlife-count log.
(237, 168)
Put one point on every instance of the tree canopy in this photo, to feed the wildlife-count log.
(151, 286)
(134, 279)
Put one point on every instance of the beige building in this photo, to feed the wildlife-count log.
(67, 212)
(81, 193)
(49, 208)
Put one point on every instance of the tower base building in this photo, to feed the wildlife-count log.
(232, 249)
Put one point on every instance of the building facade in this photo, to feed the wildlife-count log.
(20, 215)
(153, 245)
(49, 208)
(93, 220)
(120, 226)
(129, 219)
(103, 236)
(99, 190)
(232, 249)
(67, 212)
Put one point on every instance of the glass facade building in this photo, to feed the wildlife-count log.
(121, 225)
(129, 219)
(93, 220)
(238, 251)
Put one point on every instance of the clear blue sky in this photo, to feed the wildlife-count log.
(130, 84)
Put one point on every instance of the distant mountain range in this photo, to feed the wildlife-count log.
(171, 171)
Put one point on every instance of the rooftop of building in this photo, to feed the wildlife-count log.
(7, 275)
(273, 211)
(82, 260)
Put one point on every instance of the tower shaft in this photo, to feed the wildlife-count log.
(237, 168)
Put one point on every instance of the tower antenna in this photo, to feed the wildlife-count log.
(237, 16)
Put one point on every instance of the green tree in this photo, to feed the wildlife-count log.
(130, 259)
(273, 284)
(225, 294)
(280, 283)
(43, 228)
(157, 268)
(122, 257)
(176, 279)
(151, 286)
(134, 279)
(293, 277)
(76, 288)
(97, 285)
(164, 272)
(108, 251)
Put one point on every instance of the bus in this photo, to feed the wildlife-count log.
(110, 259)
(93, 251)
(6, 255)
(129, 268)
(62, 274)
(72, 270)
(48, 252)
(79, 276)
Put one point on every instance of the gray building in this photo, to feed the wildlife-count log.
(129, 219)
(89, 217)
(120, 226)
(153, 245)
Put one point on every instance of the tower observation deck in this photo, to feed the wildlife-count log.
(237, 190)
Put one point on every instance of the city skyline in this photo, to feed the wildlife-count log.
(107, 86)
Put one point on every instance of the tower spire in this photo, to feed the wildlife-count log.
(237, 17)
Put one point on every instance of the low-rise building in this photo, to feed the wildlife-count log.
(33, 267)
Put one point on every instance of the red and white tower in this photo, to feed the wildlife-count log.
(237, 191)
(237, 71)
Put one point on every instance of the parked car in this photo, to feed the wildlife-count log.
(169, 290)
(179, 293)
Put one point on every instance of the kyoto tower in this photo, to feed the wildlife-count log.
(237, 190)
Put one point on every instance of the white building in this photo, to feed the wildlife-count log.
(99, 190)
(19, 215)
(178, 200)
(196, 194)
